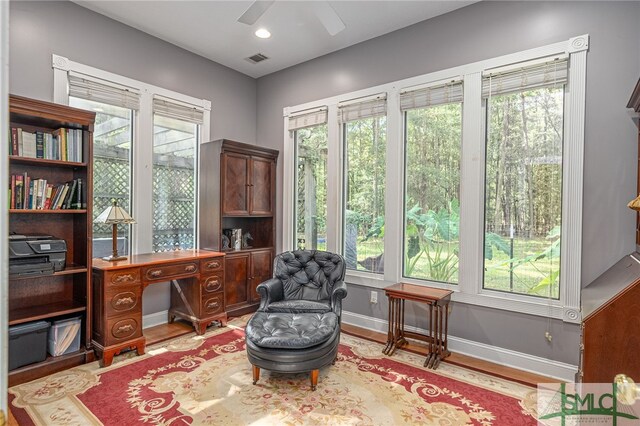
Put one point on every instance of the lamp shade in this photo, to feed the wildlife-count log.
(114, 214)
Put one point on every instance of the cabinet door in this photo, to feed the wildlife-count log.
(236, 279)
(235, 184)
(262, 185)
(261, 264)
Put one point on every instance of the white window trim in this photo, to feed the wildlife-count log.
(142, 151)
(470, 288)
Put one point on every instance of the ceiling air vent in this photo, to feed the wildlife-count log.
(258, 57)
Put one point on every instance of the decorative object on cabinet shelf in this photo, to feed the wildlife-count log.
(113, 215)
(245, 240)
(236, 238)
(635, 204)
(628, 392)
(225, 242)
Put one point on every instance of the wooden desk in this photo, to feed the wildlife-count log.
(438, 301)
(197, 295)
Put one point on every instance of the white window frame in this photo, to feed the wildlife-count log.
(470, 283)
(142, 148)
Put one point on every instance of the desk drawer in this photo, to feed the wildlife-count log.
(123, 277)
(123, 328)
(213, 304)
(212, 283)
(123, 300)
(168, 272)
(212, 264)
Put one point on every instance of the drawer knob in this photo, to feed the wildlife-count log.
(124, 301)
(124, 277)
(190, 268)
(214, 264)
(125, 328)
(156, 273)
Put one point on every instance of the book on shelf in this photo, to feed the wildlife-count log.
(61, 144)
(28, 193)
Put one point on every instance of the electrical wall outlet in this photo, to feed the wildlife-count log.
(374, 297)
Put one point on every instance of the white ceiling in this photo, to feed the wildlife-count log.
(210, 28)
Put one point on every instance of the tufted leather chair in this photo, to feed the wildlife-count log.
(305, 281)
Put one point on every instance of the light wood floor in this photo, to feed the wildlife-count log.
(165, 332)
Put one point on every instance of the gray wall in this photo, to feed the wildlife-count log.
(482, 31)
(38, 29)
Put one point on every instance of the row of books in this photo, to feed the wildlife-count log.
(63, 144)
(37, 194)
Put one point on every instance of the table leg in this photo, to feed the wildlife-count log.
(396, 327)
(390, 335)
(435, 360)
(430, 337)
(446, 329)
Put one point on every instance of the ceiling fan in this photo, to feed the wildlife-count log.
(322, 9)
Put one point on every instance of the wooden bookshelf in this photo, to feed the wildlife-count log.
(65, 293)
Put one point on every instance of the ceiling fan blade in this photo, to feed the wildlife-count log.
(255, 11)
(328, 17)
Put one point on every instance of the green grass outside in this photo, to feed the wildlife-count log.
(497, 270)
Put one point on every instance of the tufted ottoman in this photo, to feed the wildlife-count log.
(292, 342)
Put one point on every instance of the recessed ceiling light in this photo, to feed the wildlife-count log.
(263, 33)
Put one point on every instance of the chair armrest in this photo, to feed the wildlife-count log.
(270, 291)
(339, 292)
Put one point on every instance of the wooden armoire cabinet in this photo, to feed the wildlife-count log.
(238, 191)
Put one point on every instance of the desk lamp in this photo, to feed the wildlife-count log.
(113, 215)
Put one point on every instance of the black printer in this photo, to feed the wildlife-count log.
(33, 255)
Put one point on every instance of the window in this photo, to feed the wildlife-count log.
(523, 184)
(364, 127)
(146, 144)
(468, 179)
(433, 137)
(112, 142)
(175, 136)
(310, 216)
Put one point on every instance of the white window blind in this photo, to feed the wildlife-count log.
(307, 118)
(94, 89)
(552, 72)
(358, 109)
(438, 94)
(178, 111)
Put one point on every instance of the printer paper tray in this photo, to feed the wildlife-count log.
(30, 270)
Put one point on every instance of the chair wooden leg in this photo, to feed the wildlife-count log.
(256, 374)
(314, 379)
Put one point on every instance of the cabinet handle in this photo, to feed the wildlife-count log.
(212, 305)
(156, 273)
(213, 264)
(212, 285)
(125, 277)
(124, 301)
(124, 328)
(190, 268)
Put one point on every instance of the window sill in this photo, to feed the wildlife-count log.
(488, 299)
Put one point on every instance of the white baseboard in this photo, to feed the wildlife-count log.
(506, 357)
(156, 318)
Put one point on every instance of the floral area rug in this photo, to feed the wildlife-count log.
(207, 380)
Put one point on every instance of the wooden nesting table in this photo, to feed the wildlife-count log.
(438, 302)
